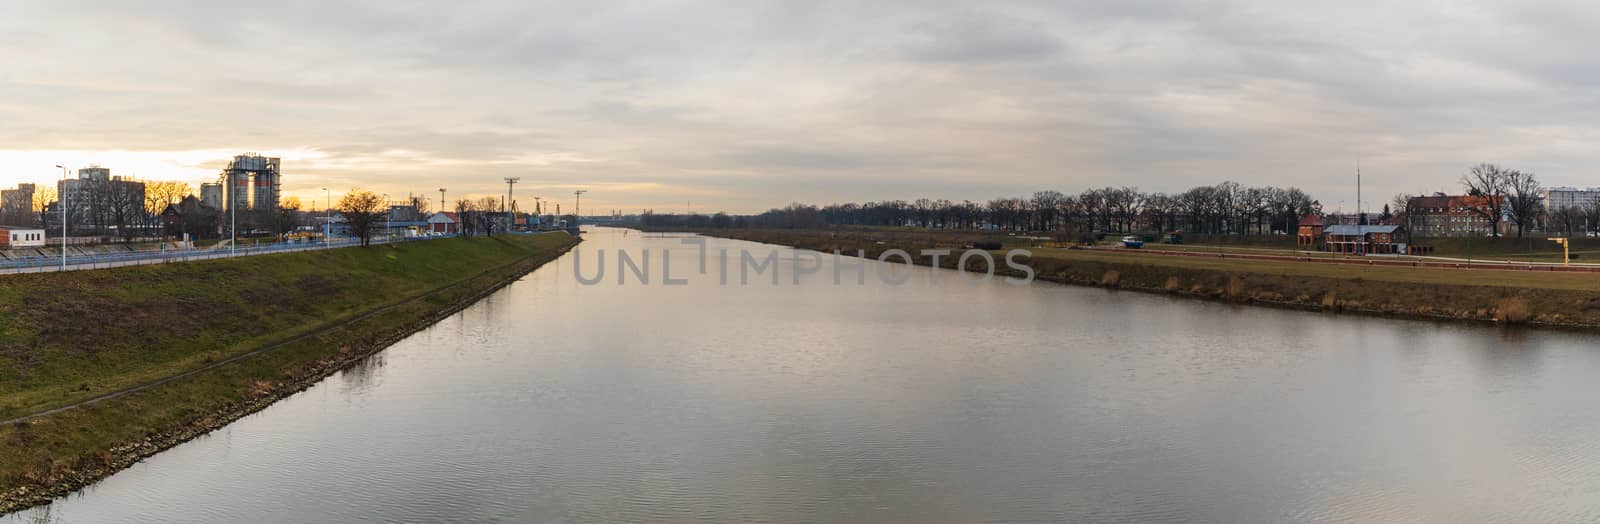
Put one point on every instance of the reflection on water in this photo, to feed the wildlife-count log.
(551, 401)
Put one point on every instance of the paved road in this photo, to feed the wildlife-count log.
(140, 258)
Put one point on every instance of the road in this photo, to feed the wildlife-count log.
(1369, 260)
(140, 258)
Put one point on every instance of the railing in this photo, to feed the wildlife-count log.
(41, 264)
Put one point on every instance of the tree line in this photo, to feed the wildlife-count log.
(1504, 194)
(1225, 208)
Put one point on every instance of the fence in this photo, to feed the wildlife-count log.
(139, 258)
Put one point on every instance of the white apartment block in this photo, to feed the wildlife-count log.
(1560, 197)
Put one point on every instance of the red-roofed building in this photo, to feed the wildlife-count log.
(1309, 234)
(445, 223)
(1453, 216)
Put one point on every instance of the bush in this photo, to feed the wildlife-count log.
(1512, 311)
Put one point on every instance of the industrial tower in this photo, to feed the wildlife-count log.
(250, 182)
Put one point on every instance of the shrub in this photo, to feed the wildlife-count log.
(1513, 310)
(1235, 289)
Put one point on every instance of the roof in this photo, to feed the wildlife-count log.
(1311, 220)
(443, 217)
(1449, 201)
(1345, 230)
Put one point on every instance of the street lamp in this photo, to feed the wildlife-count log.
(61, 201)
(388, 220)
(233, 219)
(576, 206)
(327, 218)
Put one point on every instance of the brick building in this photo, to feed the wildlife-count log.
(1443, 215)
(1385, 239)
(1309, 234)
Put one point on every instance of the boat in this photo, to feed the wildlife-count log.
(1132, 241)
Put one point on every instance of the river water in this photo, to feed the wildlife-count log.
(938, 400)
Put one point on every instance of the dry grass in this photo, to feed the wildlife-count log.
(1566, 299)
(1513, 310)
(1235, 288)
(413, 281)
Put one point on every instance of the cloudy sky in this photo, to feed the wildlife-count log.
(745, 105)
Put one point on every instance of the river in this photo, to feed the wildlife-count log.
(938, 400)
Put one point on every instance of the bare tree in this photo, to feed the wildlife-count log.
(1523, 201)
(361, 210)
(1401, 207)
(1569, 218)
(287, 216)
(158, 195)
(124, 207)
(466, 214)
(42, 197)
(1123, 204)
(1591, 216)
(1046, 208)
(1488, 182)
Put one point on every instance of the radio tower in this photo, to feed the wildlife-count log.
(1361, 219)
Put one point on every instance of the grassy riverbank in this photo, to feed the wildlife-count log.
(1541, 298)
(258, 327)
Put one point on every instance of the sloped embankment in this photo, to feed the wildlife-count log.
(139, 359)
(1565, 300)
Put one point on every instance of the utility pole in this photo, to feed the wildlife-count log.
(577, 206)
(61, 201)
(388, 218)
(1361, 218)
(327, 218)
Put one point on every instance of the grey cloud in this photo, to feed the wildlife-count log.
(762, 103)
(981, 37)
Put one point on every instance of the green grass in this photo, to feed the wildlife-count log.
(1546, 298)
(1404, 275)
(67, 337)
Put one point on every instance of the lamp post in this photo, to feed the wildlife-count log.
(61, 202)
(388, 217)
(327, 217)
(576, 206)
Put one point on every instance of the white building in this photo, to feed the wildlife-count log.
(20, 237)
(1563, 197)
